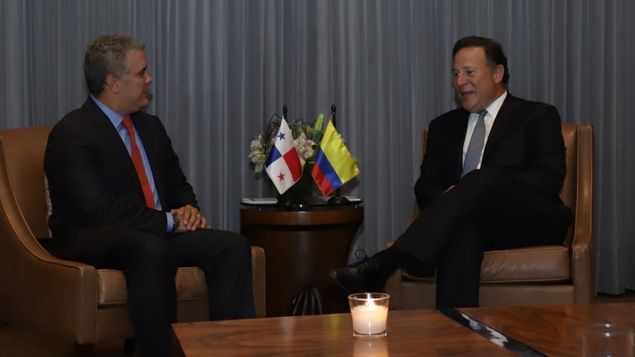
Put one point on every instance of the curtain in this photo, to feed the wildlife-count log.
(222, 67)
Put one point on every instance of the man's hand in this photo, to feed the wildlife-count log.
(190, 217)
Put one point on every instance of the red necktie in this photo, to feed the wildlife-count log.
(138, 164)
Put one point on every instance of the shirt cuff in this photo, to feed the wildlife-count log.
(170, 222)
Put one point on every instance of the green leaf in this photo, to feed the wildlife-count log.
(319, 123)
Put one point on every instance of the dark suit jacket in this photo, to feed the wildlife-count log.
(525, 145)
(514, 197)
(91, 176)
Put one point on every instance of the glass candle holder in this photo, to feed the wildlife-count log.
(369, 312)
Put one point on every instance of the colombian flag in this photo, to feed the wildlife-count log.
(334, 164)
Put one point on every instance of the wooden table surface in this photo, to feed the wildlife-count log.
(554, 330)
(410, 333)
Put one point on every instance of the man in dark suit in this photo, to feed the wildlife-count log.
(120, 199)
(490, 179)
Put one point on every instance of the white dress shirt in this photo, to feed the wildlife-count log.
(489, 118)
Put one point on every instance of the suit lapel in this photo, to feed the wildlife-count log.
(114, 149)
(503, 119)
(110, 136)
(459, 140)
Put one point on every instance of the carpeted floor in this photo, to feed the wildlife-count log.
(19, 342)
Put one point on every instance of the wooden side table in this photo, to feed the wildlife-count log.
(301, 246)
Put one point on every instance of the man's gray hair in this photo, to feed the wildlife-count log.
(107, 55)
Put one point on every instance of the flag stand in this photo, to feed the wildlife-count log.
(298, 195)
(337, 199)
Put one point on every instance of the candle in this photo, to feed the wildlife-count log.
(369, 312)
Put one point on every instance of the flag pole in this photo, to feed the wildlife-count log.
(333, 112)
(337, 199)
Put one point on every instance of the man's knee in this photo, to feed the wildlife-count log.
(152, 252)
(229, 239)
(156, 251)
(239, 245)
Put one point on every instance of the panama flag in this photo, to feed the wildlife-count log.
(283, 165)
(334, 164)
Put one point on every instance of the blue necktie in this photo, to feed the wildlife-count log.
(474, 149)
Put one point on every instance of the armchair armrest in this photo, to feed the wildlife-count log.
(583, 246)
(27, 270)
(258, 279)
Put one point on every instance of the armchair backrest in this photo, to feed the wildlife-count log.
(22, 175)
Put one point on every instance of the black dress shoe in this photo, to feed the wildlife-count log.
(360, 277)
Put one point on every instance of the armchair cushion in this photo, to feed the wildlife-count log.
(190, 285)
(532, 264)
(522, 265)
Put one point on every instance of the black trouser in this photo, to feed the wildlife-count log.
(483, 212)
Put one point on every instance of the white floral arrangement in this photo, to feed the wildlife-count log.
(306, 139)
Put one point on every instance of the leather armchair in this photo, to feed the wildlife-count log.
(66, 298)
(559, 274)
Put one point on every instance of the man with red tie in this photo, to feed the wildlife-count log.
(121, 200)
